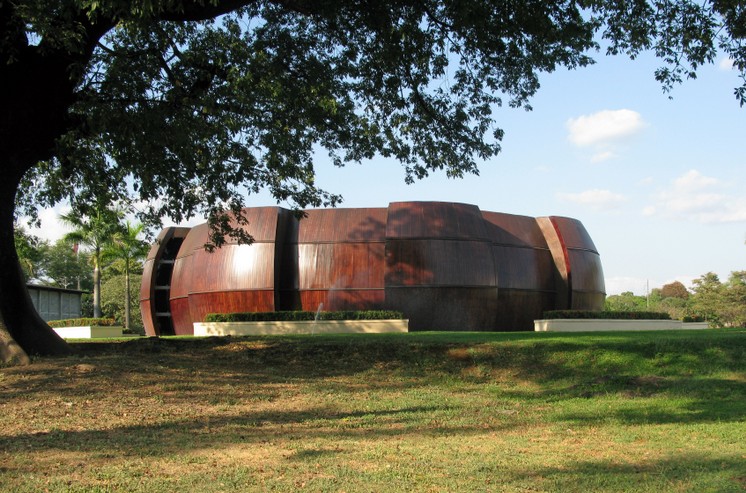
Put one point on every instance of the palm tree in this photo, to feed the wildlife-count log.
(95, 231)
(127, 247)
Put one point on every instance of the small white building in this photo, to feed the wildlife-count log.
(55, 303)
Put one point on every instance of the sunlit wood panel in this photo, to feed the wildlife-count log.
(234, 277)
(584, 272)
(340, 259)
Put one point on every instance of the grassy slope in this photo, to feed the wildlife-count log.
(406, 412)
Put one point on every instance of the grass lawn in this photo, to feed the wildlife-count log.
(623, 412)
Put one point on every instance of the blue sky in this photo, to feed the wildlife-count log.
(658, 183)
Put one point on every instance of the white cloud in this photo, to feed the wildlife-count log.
(602, 156)
(51, 228)
(726, 63)
(696, 197)
(604, 127)
(694, 181)
(598, 199)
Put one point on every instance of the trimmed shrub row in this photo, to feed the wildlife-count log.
(295, 316)
(585, 314)
(82, 322)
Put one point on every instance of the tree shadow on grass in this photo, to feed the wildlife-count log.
(680, 472)
(687, 369)
(706, 381)
(178, 436)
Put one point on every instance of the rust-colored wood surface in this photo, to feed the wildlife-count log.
(585, 273)
(340, 259)
(249, 300)
(181, 281)
(439, 266)
(447, 266)
(230, 277)
(524, 268)
(156, 281)
(182, 316)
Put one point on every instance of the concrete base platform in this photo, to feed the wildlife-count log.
(604, 325)
(300, 327)
(89, 332)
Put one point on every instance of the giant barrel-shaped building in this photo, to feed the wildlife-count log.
(446, 266)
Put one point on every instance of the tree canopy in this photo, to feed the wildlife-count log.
(65, 267)
(247, 97)
(186, 105)
(674, 289)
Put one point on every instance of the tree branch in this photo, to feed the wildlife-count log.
(199, 10)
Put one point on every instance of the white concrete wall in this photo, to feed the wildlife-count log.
(300, 327)
(604, 325)
(89, 332)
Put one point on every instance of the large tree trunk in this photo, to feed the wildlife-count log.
(18, 316)
(39, 84)
(10, 352)
(38, 89)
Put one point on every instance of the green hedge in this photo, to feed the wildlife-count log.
(295, 316)
(82, 322)
(607, 315)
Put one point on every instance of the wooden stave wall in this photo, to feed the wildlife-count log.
(152, 277)
(485, 301)
(181, 281)
(206, 282)
(340, 259)
(586, 278)
(422, 281)
(524, 268)
(147, 288)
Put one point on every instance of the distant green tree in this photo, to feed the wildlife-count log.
(127, 248)
(86, 305)
(677, 307)
(625, 302)
(654, 298)
(95, 231)
(66, 266)
(734, 302)
(708, 298)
